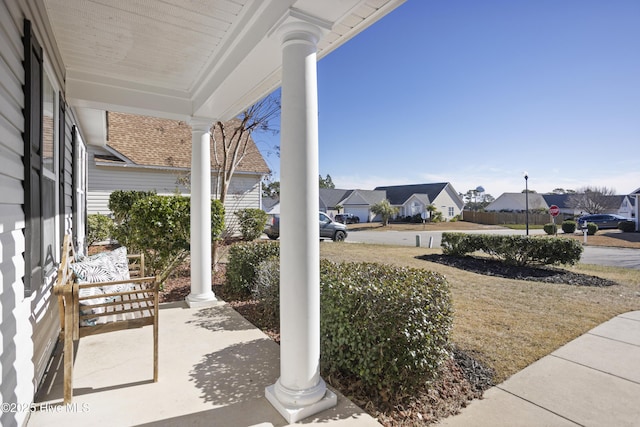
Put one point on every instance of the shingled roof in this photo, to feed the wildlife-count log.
(151, 141)
(399, 194)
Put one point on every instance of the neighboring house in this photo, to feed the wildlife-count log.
(148, 153)
(271, 205)
(414, 199)
(359, 203)
(356, 202)
(331, 199)
(627, 207)
(517, 202)
(635, 201)
(561, 201)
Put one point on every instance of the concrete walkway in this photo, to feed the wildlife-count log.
(214, 367)
(592, 381)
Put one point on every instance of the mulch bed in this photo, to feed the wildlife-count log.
(494, 267)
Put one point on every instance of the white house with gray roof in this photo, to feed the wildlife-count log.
(414, 199)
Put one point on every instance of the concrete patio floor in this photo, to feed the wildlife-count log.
(214, 367)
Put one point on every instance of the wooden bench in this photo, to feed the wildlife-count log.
(133, 308)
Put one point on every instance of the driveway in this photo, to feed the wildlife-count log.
(600, 255)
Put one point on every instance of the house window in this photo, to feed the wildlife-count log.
(40, 165)
(451, 211)
(49, 174)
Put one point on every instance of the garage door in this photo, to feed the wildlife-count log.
(362, 213)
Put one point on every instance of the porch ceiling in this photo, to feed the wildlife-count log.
(182, 58)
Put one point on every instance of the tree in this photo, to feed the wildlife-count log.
(326, 182)
(385, 210)
(271, 189)
(594, 200)
(231, 142)
(476, 199)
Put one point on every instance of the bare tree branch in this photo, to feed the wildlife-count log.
(594, 200)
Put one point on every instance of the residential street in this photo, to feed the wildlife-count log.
(618, 257)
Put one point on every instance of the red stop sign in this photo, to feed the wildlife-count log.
(554, 210)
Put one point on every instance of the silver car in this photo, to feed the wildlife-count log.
(329, 229)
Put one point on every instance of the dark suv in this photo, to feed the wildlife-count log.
(602, 220)
(347, 218)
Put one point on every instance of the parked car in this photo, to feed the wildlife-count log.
(347, 218)
(602, 220)
(329, 229)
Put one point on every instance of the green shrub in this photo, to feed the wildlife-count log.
(387, 326)
(518, 250)
(120, 203)
(252, 223)
(569, 227)
(160, 227)
(592, 228)
(244, 259)
(266, 289)
(99, 228)
(550, 228)
(416, 219)
(627, 226)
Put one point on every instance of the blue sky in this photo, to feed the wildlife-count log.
(476, 92)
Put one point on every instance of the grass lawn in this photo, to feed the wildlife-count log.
(508, 324)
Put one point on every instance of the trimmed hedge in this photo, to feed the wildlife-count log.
(388, 326)
(592, 228)
(569, 226)
(517, 250)
(244, 259)
(627, 226)
(252, 222)
(550, 228)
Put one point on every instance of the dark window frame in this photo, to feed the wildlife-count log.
(33, 111)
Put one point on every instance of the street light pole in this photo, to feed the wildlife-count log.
(526, 200)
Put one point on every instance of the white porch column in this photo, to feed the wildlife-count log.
(201, 293)
(299, 392)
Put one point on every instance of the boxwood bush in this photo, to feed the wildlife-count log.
(627, 226)
(99, 228)
(387, 326)
(550, 228)
(592, 228)
(244, 259)
(569, 226)
(517, 250)
(252, 222)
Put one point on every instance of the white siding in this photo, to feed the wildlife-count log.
(28, 325)
(16, 350)
(244, 189)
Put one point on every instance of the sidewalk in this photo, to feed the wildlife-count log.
(592, 381)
